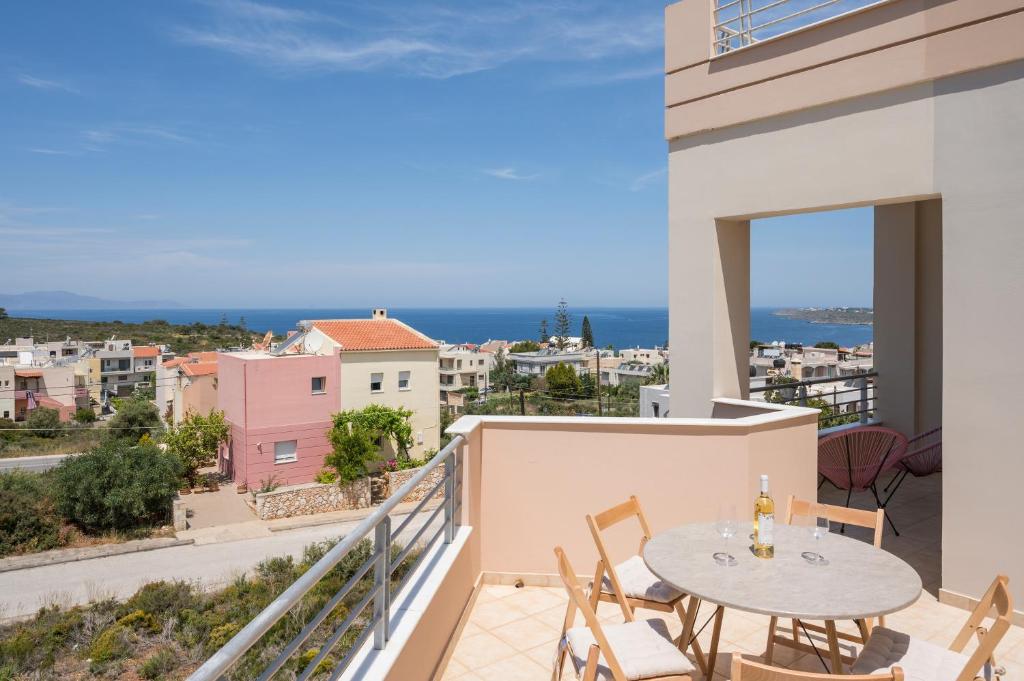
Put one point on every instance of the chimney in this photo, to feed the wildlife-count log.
(379, 313)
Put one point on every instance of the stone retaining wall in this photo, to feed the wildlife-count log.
(398, 478)
(312, 498)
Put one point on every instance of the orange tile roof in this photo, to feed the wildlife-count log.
(177, 361)
(146, 351)
(199, 368)
(373, 334)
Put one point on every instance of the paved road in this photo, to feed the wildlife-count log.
(22, 592)
(35, 464)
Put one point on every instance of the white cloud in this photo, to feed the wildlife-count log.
(98, 139)
(641, 182)
(434, 41)
(43, 84)
(508, 174)
(50, 152)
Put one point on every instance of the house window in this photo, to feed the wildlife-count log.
(656, 408)
(319, 385)
(122, 378)
(284, 452)
(7, 414)
(376, 383)
(403, 380)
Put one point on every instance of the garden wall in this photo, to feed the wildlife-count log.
(398, 478)
(312, 498)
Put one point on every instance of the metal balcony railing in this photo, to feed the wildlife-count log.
(382, 561)
(828, 394)
(742, 23)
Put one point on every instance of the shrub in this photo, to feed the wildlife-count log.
(28, 520)
(8, 429)
(85, 415)
(563, 381)
(162, 662)
(112, 644)
(135, 417)
(43, 422)
(167, 599)
(354, 451)
(326, 477)
(118, 486)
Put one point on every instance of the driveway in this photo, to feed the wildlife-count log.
(22, 592)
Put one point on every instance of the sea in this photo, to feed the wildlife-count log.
(621, 327)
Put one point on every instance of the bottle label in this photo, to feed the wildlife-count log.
(765, 527)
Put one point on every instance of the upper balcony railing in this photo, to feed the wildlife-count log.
(742, 23)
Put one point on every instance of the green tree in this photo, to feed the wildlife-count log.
(753, 344)
(135, 417)
(119, 485)
(43, 422)
(826, 345)
(563, 324)
(195, 441)
(587, 334)
(543, 335)
(588, 386)
(3, 313)
(658, 375)
(353, 451)
(85, 415)
(378, 422)
(524, 346)
(563, 381)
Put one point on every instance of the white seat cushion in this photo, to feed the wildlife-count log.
(639, 582)
(920, 660)
(643, 648)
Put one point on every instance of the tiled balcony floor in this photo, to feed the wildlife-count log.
(512, 633)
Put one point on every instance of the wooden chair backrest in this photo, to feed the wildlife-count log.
(837, 514)
(578, 601)
(746, 670)
(997, 597)
(602, 521)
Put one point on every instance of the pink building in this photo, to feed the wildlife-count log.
(279, 410)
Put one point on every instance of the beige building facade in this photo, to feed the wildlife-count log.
(386, 362)
(913, 107)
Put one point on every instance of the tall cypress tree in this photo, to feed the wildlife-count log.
(543, 333)
(587, 333)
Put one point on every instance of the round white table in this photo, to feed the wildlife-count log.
(859, 582)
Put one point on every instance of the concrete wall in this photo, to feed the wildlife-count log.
(956, 139)
(534, 480)
(199, 394)
(421, 398)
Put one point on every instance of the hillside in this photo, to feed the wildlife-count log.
(66, 300)
(182, 338)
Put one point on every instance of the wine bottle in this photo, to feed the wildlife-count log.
(764, 523)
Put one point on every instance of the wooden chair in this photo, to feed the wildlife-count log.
(923, 659)
(634, 650)
(836, 514)
(630, 583)
(745, 670)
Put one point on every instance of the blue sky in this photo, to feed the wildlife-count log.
(346, 154)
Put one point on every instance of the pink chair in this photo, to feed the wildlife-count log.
(923, 457)
(853, 459)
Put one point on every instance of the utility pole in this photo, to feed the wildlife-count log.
(599, 411)
(522, 402)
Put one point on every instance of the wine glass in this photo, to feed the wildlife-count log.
(819, 531)
(726, 527)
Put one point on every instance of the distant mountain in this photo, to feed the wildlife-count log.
(65, 300)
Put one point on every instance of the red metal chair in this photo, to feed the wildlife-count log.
(853, 459)
(923, 457)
